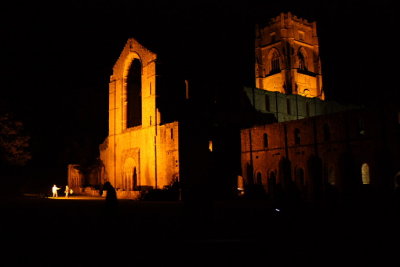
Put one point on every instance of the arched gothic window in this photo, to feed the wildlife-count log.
(302, 60)
(275, 63)
(134, 95)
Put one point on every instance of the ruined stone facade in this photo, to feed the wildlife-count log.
(157, 134)
(340, 151)
(309, 144)
(140, 150)
(75, 179)
(287, 57)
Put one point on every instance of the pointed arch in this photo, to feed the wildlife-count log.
(130, 174)
(302, 59)
(274, 61)
(134, 94)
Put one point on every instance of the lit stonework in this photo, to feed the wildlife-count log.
(340, 152)
(287, 57)
(144, 152)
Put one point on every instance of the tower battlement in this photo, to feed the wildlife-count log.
(287, 56)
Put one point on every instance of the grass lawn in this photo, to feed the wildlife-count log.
(83, 232)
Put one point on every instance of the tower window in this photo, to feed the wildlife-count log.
(275, 65)
(302, 60)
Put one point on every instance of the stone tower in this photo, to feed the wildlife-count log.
(287, 57)
(141, 150)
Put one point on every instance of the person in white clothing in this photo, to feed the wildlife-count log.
(54, 190)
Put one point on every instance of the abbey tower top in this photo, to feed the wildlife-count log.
(287, 57)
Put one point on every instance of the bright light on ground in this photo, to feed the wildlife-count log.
(74, 197)
(77, 198)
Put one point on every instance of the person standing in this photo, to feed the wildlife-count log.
(66, 191)
(54, 190)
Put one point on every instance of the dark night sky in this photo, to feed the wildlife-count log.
(56, 58)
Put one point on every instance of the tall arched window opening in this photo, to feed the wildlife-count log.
(302, 60)
(275, 64)
(134, 94)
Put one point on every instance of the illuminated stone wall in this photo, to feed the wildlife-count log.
(145, 155)
(75, 178)
(294, 43)
(302, 141)
(329, 152)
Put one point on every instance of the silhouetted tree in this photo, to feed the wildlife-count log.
(14, 143)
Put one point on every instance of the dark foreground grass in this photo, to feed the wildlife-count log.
(60, 232)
